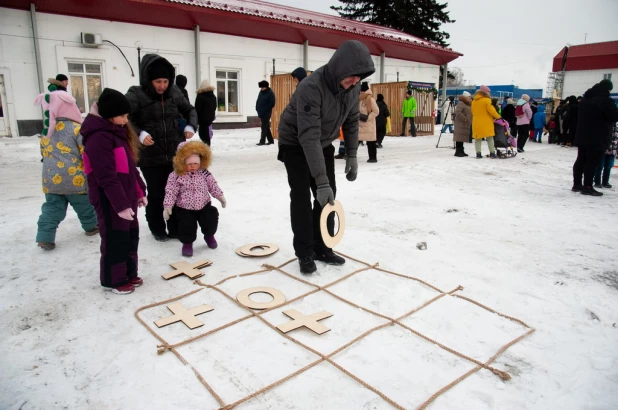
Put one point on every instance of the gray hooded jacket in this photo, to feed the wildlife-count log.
(320, 106)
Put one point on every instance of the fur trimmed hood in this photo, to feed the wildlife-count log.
(466, 100)
(205, 87)
(185, 150)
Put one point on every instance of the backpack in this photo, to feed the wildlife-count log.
(519, 111)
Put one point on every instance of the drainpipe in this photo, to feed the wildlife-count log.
(306, 55)
(382, 73)
(198, 56)
(37, 50)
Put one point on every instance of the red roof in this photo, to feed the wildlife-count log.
(594, 56)
(253, 19)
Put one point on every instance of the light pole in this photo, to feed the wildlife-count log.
(139, 46)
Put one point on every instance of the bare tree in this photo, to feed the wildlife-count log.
(455, 77)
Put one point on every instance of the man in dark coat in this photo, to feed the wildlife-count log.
(264, 107)
(324, 102)
(299, 74)
(181, 82)
(571, 117)
(596, 118)
(156, 105)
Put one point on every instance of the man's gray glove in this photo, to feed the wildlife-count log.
(351, 168)
(325, 194)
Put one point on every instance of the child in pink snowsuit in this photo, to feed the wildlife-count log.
(188, 193)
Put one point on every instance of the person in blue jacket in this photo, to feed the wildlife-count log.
(539, 123)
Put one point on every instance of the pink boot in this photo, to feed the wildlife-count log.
(187, 249)
(211, 242)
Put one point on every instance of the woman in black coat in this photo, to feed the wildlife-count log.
(381, 120)
(206, 107)
(156, 105)
(508, 113)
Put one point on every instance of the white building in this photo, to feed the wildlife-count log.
(239, 42)
(580, 67)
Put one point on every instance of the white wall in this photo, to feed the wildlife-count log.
(60, 41)
(577, 82)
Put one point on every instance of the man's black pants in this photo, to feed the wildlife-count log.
(588, 159)
(266, 133)
(305, 218)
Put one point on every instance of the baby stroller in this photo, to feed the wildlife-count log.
(506, 145)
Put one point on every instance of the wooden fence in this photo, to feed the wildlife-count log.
(284, 85)
(394, 94)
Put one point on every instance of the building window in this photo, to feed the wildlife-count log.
(607, 76)
(227, 91)
(85, 83)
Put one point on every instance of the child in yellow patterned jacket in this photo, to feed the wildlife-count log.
(64, 181)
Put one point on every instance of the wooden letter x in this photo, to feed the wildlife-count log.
(182, 314)
(189, 269)
(309, 321)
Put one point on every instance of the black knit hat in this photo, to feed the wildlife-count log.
(380, 97)
(263, 84)
(62, 77)
(113, 103)
(606, 85)
(159, 69)
(181, 81)
(364, 86)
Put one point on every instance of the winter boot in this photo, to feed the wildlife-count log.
(576, 188)
(211, 242)
(340, 156)
(307, 265)
(136, 281)
(160, 237)
(187, 249)
(124, 289)
(93, 231)
(372, 160)
(459, 153)
(607, 185)
(598, 185)
(479, 155)
(47, 246)
(329, 257)
(492, 155)
(588, 190)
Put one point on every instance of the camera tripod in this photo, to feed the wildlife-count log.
(449, 110)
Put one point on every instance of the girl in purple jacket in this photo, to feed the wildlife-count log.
(188, 192)
(115, 188)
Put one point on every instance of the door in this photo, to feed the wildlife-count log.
(4, 110)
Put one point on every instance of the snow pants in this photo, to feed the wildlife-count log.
(207, 218)
(604, 169)
(54, 210)
(119, 241)
(305, 219)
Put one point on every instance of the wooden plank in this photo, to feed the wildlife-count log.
(394, 94)
(309, 321)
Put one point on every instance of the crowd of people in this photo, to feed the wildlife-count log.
(587, 122)
(93, 164)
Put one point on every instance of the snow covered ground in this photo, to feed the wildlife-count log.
(509, 231)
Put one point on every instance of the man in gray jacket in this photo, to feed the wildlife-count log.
(324, 102)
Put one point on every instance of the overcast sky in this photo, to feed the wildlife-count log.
(513, 41)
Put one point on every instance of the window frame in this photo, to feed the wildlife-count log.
(84, 74)
(227, 80)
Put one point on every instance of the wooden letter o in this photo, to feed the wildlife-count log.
(332, 241)
(243, 298)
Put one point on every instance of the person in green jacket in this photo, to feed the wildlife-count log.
(408, 110)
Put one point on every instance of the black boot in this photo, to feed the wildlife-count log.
(459, 152)
(329, 257)
(588, 190)
(307, 265)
